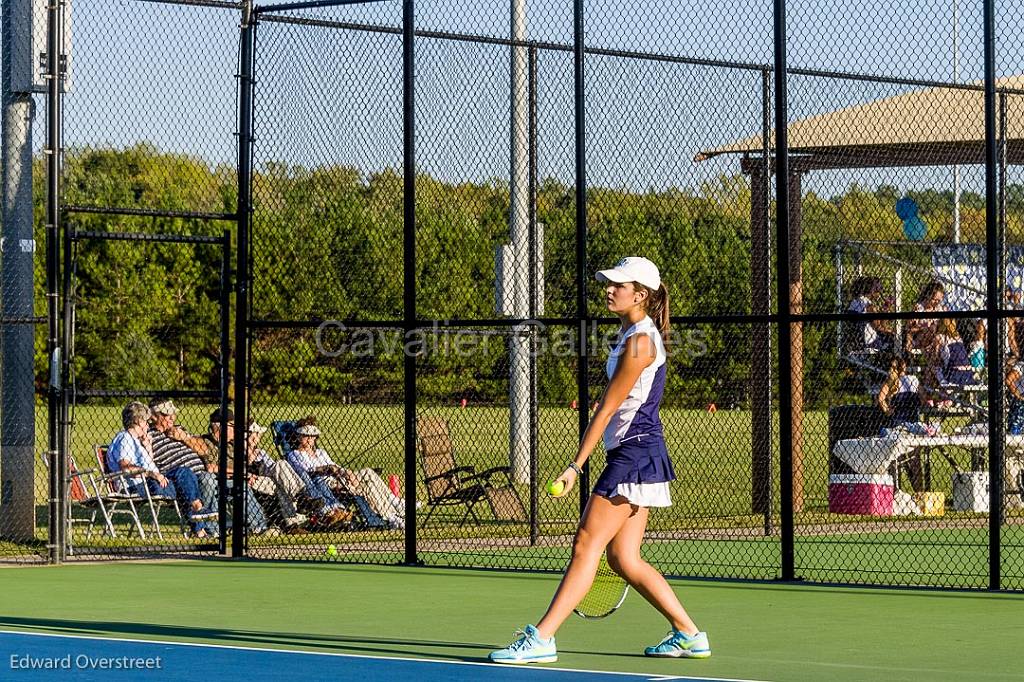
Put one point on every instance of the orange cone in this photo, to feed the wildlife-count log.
(712, 408)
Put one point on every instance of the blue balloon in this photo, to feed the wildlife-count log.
(914, 228)
(906, 208)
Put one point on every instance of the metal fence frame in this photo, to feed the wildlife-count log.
(784, 320)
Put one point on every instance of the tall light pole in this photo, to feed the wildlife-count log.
(517, 272)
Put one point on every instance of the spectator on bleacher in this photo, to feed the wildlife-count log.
(951, 363)
(131, 453)
(873, 335)
(1015, 399)
(1014, 325)
(921, 333)
(274, 482)
(976, 350)
(256, 517)
(899, 398)
(327, 480)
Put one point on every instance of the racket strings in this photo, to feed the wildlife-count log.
(605, 595)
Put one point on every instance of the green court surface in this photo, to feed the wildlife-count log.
(758, 631)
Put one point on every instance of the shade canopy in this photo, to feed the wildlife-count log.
(939, 126)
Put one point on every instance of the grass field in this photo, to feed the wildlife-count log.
(709, 530)
(790, 633)
(711, 452)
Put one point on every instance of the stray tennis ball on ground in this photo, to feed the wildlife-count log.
(332, 550)
(555, 488)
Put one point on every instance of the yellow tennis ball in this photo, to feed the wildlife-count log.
(332, 550)
(555, 488)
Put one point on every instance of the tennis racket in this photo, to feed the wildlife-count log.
(606, 594)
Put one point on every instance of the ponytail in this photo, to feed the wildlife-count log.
(896, 369)
(658, 311)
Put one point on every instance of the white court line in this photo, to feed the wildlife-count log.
(366, 656)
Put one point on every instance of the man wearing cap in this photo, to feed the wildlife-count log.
(275, 481)
(173, 446)
(210, 452)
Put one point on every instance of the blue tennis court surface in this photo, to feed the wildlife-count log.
(31, 656)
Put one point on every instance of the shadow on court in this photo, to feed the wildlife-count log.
(284, 640)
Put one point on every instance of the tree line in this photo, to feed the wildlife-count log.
(327, 245)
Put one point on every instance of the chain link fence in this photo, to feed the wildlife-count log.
(839, 364)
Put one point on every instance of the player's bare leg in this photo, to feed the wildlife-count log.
(602, 520)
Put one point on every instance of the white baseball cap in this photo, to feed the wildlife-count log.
(632, 269)
(166, 407)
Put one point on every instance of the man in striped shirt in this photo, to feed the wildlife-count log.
(172, 449)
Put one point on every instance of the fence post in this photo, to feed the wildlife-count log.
(409, 267)
(57, 343)
(583, 355)
(225, 350)
(994, 276)
(783, 292)
(245, 130)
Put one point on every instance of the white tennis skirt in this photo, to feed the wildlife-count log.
(646, 494)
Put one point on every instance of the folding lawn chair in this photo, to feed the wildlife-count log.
(282, 432)
(451, 485)
(84, 492)
(118, 492)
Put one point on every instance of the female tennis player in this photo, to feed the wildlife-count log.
(636, 475)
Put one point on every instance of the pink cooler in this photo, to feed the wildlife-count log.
(860, 494)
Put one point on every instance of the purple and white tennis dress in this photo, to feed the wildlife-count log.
(638, 467)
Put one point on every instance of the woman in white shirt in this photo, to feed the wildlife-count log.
(636, 475)
(379, 507)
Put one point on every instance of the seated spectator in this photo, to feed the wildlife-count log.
(976, 351)
(326, 480)
(1015, 399)
(951, 364)
(274, 482)
(873, 335)
(900, 399)
(1014, 325)
(921, 332)
(131, 453)
(209, 444)
(171, 452)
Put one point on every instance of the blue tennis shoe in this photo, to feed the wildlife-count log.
(527, 647)
(680, 645)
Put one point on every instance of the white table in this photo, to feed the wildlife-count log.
(878, 455)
